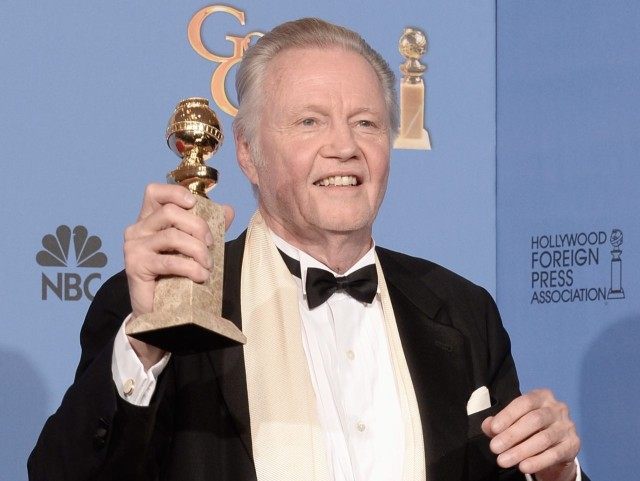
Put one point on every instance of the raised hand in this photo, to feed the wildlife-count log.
(535, 433)
(167, 239)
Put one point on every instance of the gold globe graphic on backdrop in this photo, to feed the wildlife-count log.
(413, 43)
(413, 133)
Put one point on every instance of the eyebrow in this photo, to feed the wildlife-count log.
(321, 109)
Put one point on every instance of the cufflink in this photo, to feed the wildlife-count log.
(128, 386)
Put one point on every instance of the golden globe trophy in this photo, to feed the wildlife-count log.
(187, 316)
(413, 134)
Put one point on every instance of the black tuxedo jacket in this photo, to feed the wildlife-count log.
(197, 426)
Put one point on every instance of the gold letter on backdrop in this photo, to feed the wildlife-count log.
(240, 44)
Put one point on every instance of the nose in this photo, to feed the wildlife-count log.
(340, 142)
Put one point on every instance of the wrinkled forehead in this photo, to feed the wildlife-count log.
(308, 71)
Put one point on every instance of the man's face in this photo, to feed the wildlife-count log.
(323, 136)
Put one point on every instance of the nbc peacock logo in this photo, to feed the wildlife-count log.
(70, 286)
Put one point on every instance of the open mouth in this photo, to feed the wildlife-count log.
(338, 180)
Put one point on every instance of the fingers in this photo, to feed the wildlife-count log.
(156, 195)
(167, 239)
(539, 459)
(158, 254)
(518, 408)
(146, 258)
(528, 437)
(486, 427)
(162, 207)
(229, 215)
(534, 432)
(170, 216)
(152, 243)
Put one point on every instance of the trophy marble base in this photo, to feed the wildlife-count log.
(187, 316)
(184, 336)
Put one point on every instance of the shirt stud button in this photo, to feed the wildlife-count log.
(361, 426)
(351, 355)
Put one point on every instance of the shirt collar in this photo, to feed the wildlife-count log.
(307, 261)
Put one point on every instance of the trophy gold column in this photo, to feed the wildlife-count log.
(187, 316)
(413, 134)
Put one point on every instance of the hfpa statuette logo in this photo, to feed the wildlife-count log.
(70, 286)
(616, 291)
(565, 267)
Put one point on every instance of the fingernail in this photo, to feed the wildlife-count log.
(496, 445)
(205, 275)
(208, 238)
(505, 460)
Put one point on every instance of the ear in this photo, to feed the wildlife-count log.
(243, 156)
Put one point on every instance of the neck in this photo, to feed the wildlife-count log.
(337, 250)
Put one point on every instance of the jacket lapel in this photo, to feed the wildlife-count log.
(438, 363)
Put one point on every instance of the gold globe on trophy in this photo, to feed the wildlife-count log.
(187, 316)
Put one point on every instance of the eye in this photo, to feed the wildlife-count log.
(367, 124)
(308, 122)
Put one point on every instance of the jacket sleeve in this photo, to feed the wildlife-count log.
(502, 376)
(494, 368)
(95, 434)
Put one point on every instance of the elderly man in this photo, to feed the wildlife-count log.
(372, 383)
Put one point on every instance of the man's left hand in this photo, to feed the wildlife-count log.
(535, 433)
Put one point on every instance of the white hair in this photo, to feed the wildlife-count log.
(302, 33)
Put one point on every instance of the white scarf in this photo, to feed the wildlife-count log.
(287, 438)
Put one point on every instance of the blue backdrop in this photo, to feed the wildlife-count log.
(568, 175)
(86, 90)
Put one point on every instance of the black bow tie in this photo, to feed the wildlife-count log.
(362, 284)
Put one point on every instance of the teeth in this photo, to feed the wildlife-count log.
(338, 180)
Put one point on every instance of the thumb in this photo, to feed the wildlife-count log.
(229, 215)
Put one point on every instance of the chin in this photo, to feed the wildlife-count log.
(345, 224)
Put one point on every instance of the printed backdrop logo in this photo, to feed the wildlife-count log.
(70, 286)
(240, 44)
(413, 134)
(563, 267)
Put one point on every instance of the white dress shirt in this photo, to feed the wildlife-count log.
(352, 375)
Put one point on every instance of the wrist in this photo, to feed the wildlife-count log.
(149, 355)
(562, 472)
